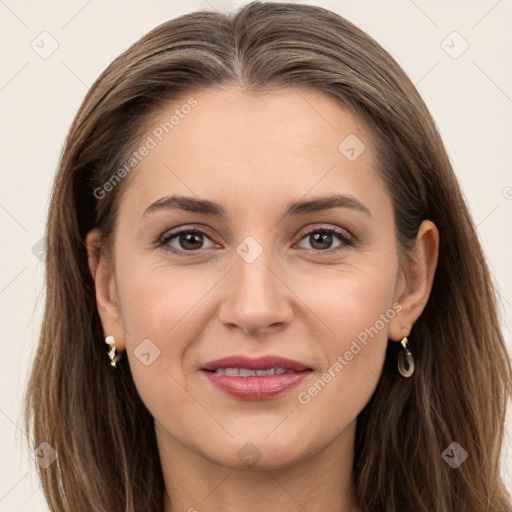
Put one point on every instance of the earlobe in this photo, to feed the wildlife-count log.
(419, 277)
(107, 300)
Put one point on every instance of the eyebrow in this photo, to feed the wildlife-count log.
(300, 207)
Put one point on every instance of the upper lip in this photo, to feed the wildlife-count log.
(261, 363)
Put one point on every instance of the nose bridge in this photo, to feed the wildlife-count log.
(253, 270)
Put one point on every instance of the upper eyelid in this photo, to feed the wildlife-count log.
(171, 233)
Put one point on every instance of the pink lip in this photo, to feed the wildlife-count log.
(256, 388)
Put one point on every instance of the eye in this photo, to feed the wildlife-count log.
(191, 241)
(188, 240)
(321, 239)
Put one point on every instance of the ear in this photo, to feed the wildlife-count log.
(105, 286)
(416, 281)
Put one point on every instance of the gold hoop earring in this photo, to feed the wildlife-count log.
(405, 360)
(114, 358)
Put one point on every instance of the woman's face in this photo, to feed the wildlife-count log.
(262, 280)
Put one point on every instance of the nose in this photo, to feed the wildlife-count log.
(258, 300)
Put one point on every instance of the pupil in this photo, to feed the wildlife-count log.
(187, 240)
(321, 237)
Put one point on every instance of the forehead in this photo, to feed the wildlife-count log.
(225, 142)
(286, 118)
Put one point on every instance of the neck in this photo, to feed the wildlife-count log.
(322, 481)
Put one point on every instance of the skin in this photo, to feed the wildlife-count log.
(254, 155)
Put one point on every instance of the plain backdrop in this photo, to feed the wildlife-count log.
(458, 53)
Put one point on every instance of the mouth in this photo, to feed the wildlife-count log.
(255, 379)
(248, 372)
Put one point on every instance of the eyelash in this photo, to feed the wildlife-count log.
(347, 240)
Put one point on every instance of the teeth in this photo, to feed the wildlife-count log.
(231, 371)
(245, 372)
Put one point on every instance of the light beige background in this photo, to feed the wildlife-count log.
(469, 96)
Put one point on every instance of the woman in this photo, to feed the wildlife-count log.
(259, 211)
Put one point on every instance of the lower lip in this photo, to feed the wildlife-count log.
(256, 388)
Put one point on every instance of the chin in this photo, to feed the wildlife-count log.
(259, 452)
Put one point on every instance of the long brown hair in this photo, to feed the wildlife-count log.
(93, 417)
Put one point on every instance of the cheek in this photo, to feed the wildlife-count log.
(353, 355)
(351, 300)
(356, 304)
(158, 303)
(163, 316)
